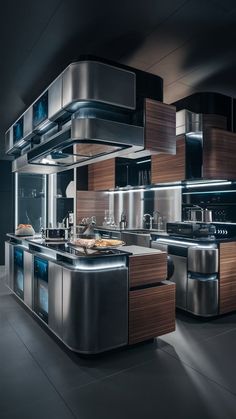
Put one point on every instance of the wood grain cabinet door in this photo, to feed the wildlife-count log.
(219, 151)
(160, 127)
(170, 168)
(101, 175)
(227, 277)
(151, 312)
(147, 269)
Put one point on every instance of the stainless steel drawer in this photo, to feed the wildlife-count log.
(202, 295)
(203, 260)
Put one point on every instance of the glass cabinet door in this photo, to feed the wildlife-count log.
(30, 200)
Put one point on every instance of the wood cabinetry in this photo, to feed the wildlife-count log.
(219, 150)
(159, 137)
(227, 277)
(151, 312)
(151, 298)
(147, 269)
(101, 175)
(214, 121)
(170, 168)
(216, 162)
(91, 203)
(160, 127)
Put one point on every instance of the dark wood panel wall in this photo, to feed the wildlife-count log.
(214, 121)
(168, 168)
(101, 175)
(227, 279)
(219, 151)
(91, 203)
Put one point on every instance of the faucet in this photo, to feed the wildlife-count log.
(150, 220)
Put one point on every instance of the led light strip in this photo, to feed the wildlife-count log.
(208, 184)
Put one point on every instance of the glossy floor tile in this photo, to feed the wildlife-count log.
(186, 374)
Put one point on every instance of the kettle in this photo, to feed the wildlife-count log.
(199, 214)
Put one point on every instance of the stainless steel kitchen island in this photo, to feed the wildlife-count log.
(85, 300)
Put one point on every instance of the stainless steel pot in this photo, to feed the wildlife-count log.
(207, 216)
(200, 214)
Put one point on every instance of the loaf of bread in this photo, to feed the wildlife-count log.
(25, 230)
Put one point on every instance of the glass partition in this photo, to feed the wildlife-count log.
(30, 199)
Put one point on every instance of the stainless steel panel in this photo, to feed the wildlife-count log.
(55, 99)
(188, 122)
(203, 259)
(168, 204)
(9, 262)
(180, 278)
(28, 123)
(136, 239)
(22, 165)
(28, 279)
(202, 298)
(99, 82)
(9, 139)
(95, 309)
(107, 131)
(55, 298)
(134, 204)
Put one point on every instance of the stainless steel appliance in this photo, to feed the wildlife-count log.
(190, 229)
(195, 274)
(194, 251)
(19, 271)
(56, 234)
(41, 287)
(92, 111)
(202, 289)
(82, 299)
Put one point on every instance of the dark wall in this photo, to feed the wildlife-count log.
(6, 204)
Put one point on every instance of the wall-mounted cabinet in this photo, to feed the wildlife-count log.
(210, 156)
(169, 168)
(219, 150)
(135, 169)
(119, 172)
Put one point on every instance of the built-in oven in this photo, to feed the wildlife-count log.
(41, 288)
(18, 276)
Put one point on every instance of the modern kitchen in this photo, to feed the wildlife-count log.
(118, 231)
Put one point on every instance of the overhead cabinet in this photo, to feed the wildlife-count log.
(207, 154)
(159, 132)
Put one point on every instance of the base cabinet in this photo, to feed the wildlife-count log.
(227, 288)
(151, 312)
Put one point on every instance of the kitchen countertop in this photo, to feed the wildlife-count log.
(140, 250)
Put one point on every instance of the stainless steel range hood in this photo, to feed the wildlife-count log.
(188, 122)
(89, 113)
(85, 140)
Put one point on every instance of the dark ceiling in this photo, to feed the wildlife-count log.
(191, 44)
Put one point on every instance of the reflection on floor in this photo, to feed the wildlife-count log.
(188, 374)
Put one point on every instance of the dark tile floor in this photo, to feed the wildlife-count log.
(188, 374)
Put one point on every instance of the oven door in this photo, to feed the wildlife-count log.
(41, 288)
(19, 272)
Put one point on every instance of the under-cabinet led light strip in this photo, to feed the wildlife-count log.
(188, 185)
(157, 188)
(205, 185)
